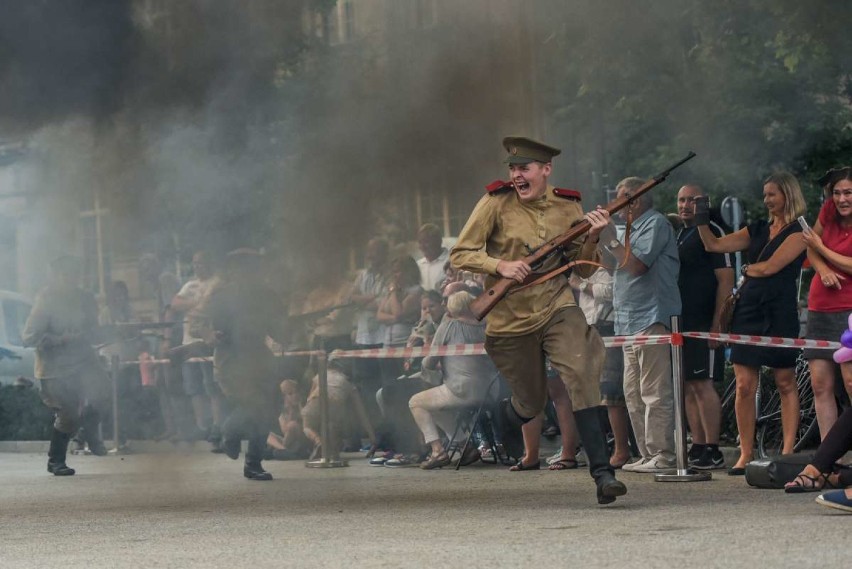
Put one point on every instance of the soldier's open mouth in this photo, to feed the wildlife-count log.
(522, 185)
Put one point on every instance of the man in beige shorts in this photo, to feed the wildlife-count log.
(542, 320)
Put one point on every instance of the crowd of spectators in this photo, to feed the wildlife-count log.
(408, 409)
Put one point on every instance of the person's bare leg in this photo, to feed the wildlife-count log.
(565, 418)
(531, 431)
(747, 379)
(619, 422)
(822, 383)
(275, 441)
(693, 414)
(709, 409)
(785, 381)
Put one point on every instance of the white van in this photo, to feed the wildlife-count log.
(15, 309)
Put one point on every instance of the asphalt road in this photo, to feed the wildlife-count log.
(196, 510)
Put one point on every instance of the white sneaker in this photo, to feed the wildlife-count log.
(654, 465)
(555, 457)
(632, 466)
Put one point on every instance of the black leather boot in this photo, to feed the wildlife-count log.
(594, 441)
(56, 454)
(233, 431)
(253, 470)
(510, 429)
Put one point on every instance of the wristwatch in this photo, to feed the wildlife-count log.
(744, 270)
(613, 244)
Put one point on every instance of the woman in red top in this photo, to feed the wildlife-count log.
(830, 299)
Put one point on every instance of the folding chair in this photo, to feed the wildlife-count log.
(480, 417)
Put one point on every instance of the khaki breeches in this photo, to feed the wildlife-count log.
(575, 350)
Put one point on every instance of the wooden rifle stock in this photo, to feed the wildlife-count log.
(483, 304)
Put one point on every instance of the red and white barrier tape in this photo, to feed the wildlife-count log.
(609, 342)
(764, 340)
(451, 350)
(210, 358)
(479, 349)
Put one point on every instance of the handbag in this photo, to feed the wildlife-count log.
(726, 314)
(774, 473)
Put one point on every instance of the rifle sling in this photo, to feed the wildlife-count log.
(559, 270)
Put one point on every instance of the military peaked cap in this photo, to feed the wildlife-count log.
(523, 150)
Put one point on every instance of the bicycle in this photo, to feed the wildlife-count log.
(768, 431)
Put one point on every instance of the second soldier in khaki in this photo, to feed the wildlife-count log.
(542, 320)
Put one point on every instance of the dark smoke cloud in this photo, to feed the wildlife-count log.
(232, 124)
(61, 59)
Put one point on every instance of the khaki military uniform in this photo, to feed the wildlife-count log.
(540, 320)
(61, 327)
(243, 365)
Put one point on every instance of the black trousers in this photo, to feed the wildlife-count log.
(836, 443)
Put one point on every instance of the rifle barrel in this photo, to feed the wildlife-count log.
(482, 305)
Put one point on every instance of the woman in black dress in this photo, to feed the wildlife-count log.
(768, 306)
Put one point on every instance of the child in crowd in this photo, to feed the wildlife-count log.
(292, 443)
(342, 395)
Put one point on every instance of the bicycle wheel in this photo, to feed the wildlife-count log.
(770, 436)
(728, 431)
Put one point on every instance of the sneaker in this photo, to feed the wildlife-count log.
(380, 459)
(835, 499)
(695, 453)
(551, 459)
(400, 462)
(631, 466)
(654, 465)
(710, 459)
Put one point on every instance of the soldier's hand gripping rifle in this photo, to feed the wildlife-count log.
(487, 300)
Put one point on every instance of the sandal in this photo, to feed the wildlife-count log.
(564, 464)
(436, 461)
(803, 483)
(520, 466)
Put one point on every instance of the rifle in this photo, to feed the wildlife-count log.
(483, 304)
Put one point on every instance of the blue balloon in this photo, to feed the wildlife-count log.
(846, 339)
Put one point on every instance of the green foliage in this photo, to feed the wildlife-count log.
(23, 417)
(753, 86)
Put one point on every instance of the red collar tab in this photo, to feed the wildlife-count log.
(498, 186)
(569, 194)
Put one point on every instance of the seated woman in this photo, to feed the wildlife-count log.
(824, 472)
(465, 378)
(291, 443)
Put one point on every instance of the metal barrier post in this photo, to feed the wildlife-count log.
(683, 472)
(115, 367)
(325, 461)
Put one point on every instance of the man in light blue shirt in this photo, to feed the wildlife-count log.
(645, 297)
